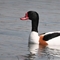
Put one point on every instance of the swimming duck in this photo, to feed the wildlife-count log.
(48, 38)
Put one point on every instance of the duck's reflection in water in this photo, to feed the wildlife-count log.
(37, 52)
(33, 50)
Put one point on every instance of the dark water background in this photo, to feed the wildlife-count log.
(14, 33)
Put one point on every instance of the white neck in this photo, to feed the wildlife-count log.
(34, 38)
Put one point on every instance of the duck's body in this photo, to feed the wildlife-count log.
(52, 38)
(49, 38)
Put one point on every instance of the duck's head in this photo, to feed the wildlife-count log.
(34, 17)
(31, 15)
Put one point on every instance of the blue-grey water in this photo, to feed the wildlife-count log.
(14, 33)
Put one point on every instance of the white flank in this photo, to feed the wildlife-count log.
(54, 41)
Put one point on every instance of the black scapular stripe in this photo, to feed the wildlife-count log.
(50, 36)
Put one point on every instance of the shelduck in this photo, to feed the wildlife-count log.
(48, 38)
